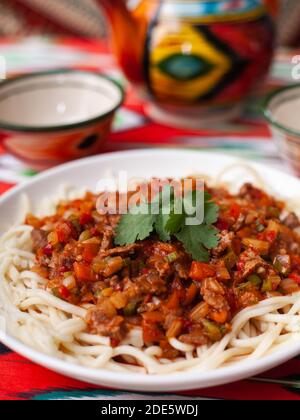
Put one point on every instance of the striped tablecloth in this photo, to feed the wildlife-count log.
(247, 137)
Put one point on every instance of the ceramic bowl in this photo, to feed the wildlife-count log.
(281, 110)
(52, 117)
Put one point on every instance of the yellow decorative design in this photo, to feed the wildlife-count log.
(184, 40)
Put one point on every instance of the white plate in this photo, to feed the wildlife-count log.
(171, 163)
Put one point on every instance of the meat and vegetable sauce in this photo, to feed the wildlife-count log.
(157, 285)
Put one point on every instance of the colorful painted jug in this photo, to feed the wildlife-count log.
(194, 60)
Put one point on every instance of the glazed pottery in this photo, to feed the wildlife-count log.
(281, 110)
(194, 60)
(52, 117)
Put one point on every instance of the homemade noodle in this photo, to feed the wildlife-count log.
(57, 328)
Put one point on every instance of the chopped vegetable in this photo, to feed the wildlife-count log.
(154, 316)
(244, 233)
(191, 294)
(273, 212)
(289, 286)
(175, 329)
(172, 257)
(85, 218)
(75, 226)
(199, 312)
(267, 285)
(64, 292)
(90, 250)
(112, 266)
(66, 273)
(212, 330)
(273, 226)
(259, 227)
(33, 221)
(119, 300)
(53, 239)
(63, 232)
(85, 235)
(271, 236)
(173, 300)
(253, 280)
(99, 264)
(219, 317)
(107, 292)
(275, 280)
(130, 309)
(41, 271)
(222, 225)
(55, 292)
(230, 260)
(48, 250)
(200, 271)
(282, 264)
(235, 211)
(295, 277)
(222, 272)
(261, 246)
(151, 332)
(69, 282)
(83, 272)
(107, 309)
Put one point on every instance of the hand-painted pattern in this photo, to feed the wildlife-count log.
(201, 64)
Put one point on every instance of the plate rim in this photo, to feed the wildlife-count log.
(56, 128)
(136, 382)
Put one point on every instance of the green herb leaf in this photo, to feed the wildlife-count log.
(174, 223)
(160, 227)
(197, 240)
(208, 235)
(211, 210)
(134, 227)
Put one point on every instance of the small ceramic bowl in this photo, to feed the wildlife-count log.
(52, 117)
(282, 111)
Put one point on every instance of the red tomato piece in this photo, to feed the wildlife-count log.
(83, 272)
(90, 251)
(235, 211)
(151, 332)
(295, 277)
(64, 292)
(48, 250)
(200, 271)
(64, 232)
(222, 224)
(85, 218)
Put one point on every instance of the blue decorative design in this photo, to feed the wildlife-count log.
(206, 8)
(185, 67)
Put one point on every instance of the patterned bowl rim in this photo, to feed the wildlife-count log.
(62, 127)
(269, 114)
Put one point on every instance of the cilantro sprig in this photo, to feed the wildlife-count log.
(197, 239)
